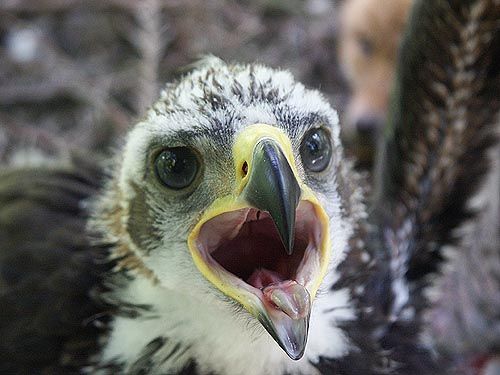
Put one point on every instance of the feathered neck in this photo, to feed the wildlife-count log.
(171, 331)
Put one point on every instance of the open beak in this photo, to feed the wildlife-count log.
(266, 245)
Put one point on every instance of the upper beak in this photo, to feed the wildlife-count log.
(272, 187)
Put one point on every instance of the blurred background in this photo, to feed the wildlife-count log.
(76, 73)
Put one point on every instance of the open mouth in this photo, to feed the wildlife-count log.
(245, 247)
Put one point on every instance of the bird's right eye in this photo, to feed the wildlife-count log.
(177, 167)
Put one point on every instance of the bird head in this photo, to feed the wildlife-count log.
(227, 191)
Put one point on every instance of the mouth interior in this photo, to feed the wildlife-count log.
(246, 244)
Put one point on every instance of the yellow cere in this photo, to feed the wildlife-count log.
(246, 142)
(242, 152)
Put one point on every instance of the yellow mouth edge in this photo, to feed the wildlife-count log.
(229, 204)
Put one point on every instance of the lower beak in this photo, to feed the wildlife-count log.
(286, 316)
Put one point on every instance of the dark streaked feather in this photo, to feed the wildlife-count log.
(49, 272)
(433, 159)
(465, 316)
(443, 120)
(144, 364)
(383, 345)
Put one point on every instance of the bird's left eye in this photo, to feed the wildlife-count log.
(177, 167)
(316, 149)
(366, 46)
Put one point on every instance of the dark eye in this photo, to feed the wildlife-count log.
(177, 167)
(366, 46)
(316, 149)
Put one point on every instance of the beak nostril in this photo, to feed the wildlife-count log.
(244, 168)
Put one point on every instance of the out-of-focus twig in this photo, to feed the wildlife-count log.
(151, 46)
(59, 5)
(87, 69)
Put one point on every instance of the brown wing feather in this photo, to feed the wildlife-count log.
(48, 269)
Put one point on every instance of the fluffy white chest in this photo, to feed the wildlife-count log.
(221, 341)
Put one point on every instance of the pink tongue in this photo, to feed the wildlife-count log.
(262, 277)
(285, 295)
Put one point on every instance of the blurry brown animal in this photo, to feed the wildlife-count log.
(370, 34)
